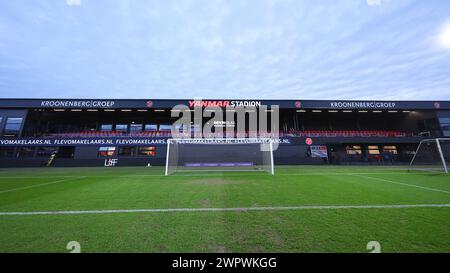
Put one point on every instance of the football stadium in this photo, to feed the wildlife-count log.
(113, 175)
(224, 136)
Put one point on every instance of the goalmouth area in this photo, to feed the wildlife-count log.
(298, 209)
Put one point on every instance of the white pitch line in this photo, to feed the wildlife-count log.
(40, 185)
(50, 176)
(225, 209)
(400, 183)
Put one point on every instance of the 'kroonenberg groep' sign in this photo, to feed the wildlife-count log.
(78, 103)
(362, 105)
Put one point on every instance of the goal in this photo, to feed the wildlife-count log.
(432, 155)
(219, 154)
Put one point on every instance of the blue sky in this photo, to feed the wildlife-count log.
(324, 49)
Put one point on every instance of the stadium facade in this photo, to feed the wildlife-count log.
(103, 132)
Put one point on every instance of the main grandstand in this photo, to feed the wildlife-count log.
(83, 132)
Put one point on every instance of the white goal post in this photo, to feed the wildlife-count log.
(219, 154)
(432, 155)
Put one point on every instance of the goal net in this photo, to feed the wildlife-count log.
(432, 155)
(219, 155)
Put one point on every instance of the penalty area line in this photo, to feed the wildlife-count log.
(400, 183)
(286, 208)
(41, 184)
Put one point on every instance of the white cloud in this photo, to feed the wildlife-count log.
(212, 44)
(373, 2)
(73, 2)
(444, 36)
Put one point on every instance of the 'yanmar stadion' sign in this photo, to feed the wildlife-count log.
(224, 103)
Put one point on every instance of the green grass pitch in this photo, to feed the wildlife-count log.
(317, 209)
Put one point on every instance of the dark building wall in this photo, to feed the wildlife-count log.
(285, 155)
(86, 152)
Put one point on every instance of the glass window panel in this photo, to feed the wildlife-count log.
(106, 127)
(136, 127)
(122, 127)
(12, 126)
(444, 120)
(165, 127)
(151, 127)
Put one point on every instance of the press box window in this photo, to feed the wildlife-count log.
(12, 127)
(147, 151)
(106, 151)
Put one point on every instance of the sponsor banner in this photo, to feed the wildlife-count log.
(122, 141)
(232, 141)
(87, 104)
(81, 141)
(77, 104)
(362, 105)
(111, 162)
(371, 105)
(319, 151)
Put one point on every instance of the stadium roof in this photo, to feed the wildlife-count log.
(169, 103)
